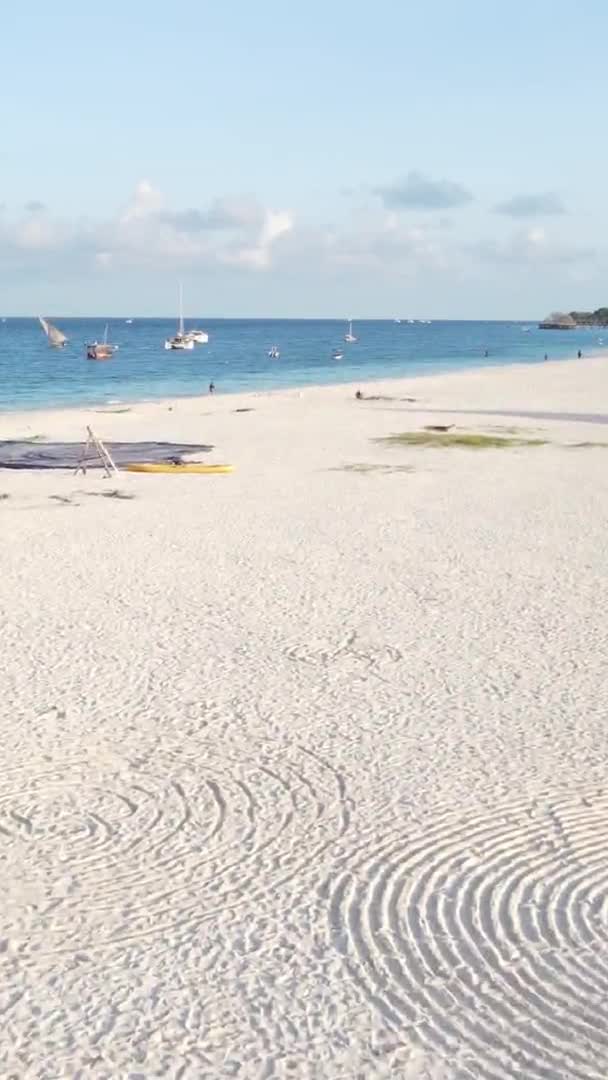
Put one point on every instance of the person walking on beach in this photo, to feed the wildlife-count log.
(212, 388)
(579, 355)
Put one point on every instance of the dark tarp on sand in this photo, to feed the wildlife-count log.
(26, 454)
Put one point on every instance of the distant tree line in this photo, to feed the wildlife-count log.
(591, 318)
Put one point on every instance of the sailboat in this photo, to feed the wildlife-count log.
(181, 340)
(274, 352)
(101, 350)
(350, 337)
(55, 337)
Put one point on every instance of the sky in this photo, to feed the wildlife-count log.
(303, 159)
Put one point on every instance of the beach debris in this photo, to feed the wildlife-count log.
(114, 494)
(365, 468)
(244, 410)
(4, 495)
(66, 500)
(438, 427)
(381, 397)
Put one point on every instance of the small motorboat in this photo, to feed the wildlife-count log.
(337, 354)
(101, 350)
(274, 352)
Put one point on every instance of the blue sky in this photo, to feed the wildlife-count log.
(304, 159)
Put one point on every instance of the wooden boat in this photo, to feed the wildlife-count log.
(101, 350)
(56, 338)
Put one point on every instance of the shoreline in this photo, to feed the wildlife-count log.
(118, 406)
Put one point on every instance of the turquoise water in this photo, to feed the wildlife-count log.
(34, 376)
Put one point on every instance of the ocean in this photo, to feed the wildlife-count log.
(32, 375)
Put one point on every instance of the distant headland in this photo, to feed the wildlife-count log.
(559, 320)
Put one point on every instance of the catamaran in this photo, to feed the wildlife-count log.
(350, 337)
(181, 339)
(101, 350)
(56, 338)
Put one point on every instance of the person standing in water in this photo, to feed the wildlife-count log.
(212, 388)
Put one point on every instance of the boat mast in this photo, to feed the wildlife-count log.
(181, 309)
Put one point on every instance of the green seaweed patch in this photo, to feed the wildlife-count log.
(454, 438)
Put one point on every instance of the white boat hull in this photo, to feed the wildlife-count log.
(179, 346)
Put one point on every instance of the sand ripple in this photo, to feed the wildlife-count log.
(103, 852)
(486, 938)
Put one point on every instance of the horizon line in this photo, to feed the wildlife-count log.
(284, 318)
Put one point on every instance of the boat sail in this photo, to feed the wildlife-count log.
(181, 340)
(97, 350)
(350, 337)
(56, 337)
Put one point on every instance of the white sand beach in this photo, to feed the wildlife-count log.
(304, 767)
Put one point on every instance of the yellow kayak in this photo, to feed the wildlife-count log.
(167, 467)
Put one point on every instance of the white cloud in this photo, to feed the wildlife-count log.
(240, 232)
(230, 231)
(146, 200)
(277, 223)
(36, 233)
(531, 246)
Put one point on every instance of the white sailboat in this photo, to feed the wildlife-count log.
(274, 352)
(56, 338)
(350, 337)
(181, 340)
